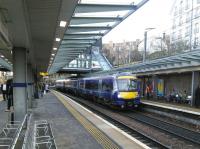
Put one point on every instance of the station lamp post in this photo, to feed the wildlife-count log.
(161, 40)
(145, 43)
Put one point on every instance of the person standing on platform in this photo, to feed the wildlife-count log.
(3, 89)
(47, 88)
(197, 97)
(9, 93)
(148, 92)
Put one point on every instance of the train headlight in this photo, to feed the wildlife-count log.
(119, 96)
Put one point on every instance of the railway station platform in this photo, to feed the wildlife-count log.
(172, 106)
(74, 126)
(3, 114)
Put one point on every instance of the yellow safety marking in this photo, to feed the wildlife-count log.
(126, 77)
(128, 95)
(99, 136)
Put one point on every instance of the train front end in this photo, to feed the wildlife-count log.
(127, 94)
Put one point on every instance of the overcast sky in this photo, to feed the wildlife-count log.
(155, 13)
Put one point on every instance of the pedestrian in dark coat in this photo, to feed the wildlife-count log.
(9, 93)
(197, 97)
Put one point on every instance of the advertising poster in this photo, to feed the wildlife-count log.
(160, 87)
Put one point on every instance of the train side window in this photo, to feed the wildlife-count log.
(81, 84)
(94, 84)
(107, 85)
(87, 84)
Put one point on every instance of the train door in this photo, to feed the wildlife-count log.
(107, 88)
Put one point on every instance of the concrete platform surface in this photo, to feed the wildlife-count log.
(117, 135)
(182, 108)
(3, 114)
(68, 132)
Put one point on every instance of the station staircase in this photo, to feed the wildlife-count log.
(103, 61)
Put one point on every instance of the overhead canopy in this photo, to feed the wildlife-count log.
(189, 61)
(91, 20)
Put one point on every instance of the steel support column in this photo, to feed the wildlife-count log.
(195, 83)
(155, 86)
(19, 83)
(30, 85)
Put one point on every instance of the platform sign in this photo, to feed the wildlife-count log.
(160, 87)
(44, 74)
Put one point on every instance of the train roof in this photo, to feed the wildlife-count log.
(118, 76)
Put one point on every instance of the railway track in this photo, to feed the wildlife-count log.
(178, 131)
(131, 131)
(178, 135)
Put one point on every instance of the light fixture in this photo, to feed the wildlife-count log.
(58, 39)
(2, 56)
(51, 58)
(53, 54)
(54, 49)
(63, 23)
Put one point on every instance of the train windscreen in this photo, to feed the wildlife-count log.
(127, 85)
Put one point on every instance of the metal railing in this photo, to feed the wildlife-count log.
(10, 133)
(43, 135)
(28, 138)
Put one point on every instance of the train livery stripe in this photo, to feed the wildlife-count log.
(98, 135)
(128, 95)
(126, 77)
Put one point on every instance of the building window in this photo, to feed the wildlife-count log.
(187, 31)
(173, 36)
(187, 4)
(181, 7)
(188, 17)
(198, 1)
(180, 34)
(175, 11)
(197, 12)
(196, 29)
(180, 20)
(196, 41)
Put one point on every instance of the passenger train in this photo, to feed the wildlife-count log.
(115, 90)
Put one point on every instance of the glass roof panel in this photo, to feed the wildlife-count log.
(103, 14)
(76, 41)
(86, 32)
(91, 20)
(103, 24)
(122, 2)
(82, 37)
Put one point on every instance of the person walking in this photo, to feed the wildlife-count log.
(9, 94)
(148, 92)
(197, 97)
(3, 90)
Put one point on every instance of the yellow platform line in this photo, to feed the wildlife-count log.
(98, 135)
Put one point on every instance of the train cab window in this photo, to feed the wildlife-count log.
(107, 85)
(127, 84)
